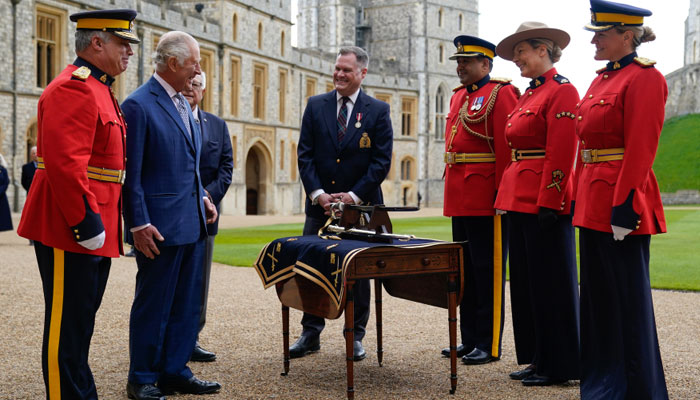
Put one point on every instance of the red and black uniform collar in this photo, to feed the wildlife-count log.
(94, 71)
(473, 87)
(621, 63)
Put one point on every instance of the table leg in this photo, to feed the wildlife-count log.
(350, 335)
(452, 319)
(285, 338)
(378, 310)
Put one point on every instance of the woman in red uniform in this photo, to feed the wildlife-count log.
(618, 208)
(535, 191)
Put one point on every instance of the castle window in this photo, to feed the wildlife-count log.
(461, 22)
(282, 44)
(259, 90)
(440, 114)
(49, 25)
(235, 84)
(260, 36)
(407, 169)
(408, 116)
(283, 95)
(234, 148)
(441, 52)
(234, 27)
(206, 64)
(293, 166)
(282, 149)
(310, 88)
(440, 15)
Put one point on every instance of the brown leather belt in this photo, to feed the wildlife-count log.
(517, 155)
(589, 156)
(460, 158)
(96, 173)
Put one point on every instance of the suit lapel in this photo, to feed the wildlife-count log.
(330, 111)
(167, 104)
(352, 132)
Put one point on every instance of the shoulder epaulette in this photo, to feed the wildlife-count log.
(600, 71)
(644, 62)
(504, 81)
(561, 79)
(458, 87)
(82, 73)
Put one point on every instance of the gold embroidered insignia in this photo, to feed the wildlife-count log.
(501, 80)
(365, 141)
(331, 246)
(82, 73)
(644, 62)
(557, 178)
(458, 88)
(103, 78)
(279, 247)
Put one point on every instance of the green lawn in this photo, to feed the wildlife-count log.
(676, 165)
(675, 256)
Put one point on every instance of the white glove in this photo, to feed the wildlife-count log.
(94, 242)
(501, 212)
(619, 232)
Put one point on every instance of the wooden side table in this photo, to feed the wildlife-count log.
(429, 275)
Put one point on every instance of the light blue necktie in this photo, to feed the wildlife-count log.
(182, 110)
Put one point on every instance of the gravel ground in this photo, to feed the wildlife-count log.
(244, 329)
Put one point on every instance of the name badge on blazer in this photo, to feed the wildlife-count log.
(365, 141)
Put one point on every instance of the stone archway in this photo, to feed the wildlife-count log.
(258, 181)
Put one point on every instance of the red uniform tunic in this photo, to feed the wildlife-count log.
(470, 188)
(542, 119)
(623, 108)
(78, 125)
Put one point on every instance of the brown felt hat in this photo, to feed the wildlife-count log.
(531, 30)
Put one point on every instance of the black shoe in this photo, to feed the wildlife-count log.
(523, 373)
(537, 380)
(130, 253)
(143, 392)
(304, 345)
(201, 355)
(358, 352)
(478, 356)
(189, 386)
(461, 351)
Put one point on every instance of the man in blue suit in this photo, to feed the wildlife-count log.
(215, 169)
(344, 155)
(166, 209)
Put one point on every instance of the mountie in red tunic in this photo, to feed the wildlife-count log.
(472, 143)
(619, 123)
(79, 125)
(540, 134)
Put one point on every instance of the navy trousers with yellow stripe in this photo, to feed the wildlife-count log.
(482, 307)
(620, 356)
(73, 287)
(544, 295)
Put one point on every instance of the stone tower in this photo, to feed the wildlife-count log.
(692, 34)
(326, 25)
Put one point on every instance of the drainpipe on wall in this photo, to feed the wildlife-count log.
(15, 199)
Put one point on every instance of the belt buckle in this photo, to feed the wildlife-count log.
(450, 158)
(587, 155)
(513, 155)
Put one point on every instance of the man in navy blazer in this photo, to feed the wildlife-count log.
(344, 154)
(28, 170)
(215, 169)
(166, 209)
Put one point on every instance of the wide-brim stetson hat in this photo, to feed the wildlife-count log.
(531, 30)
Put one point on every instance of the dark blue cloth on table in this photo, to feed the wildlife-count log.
(323, 261)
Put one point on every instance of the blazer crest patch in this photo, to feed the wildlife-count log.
(365, 141)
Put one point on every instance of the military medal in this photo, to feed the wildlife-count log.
(478, 102)
(358, 125)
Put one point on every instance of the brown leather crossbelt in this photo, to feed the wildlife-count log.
(517, 155)
(96, 173)
(589, 156)
(460, 158)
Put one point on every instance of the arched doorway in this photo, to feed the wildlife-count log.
(257, 179)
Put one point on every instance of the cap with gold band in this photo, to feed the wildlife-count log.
(606, 14)
(120, 22)
(471, 46)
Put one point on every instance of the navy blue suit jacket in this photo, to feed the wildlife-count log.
(347, 166)
(162, 185)
(28, 171)
(216, 160)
